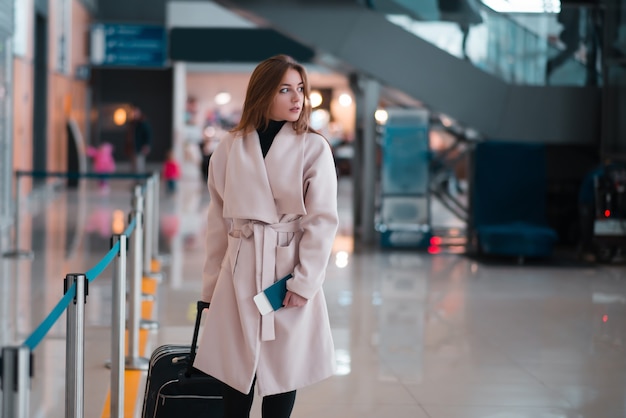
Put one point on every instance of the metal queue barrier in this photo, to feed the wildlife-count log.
(16, 362)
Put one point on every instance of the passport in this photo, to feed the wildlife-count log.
(271, 299)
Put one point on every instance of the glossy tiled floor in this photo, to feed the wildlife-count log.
(417, 335)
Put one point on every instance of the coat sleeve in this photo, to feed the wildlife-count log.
(321, 219)
(217, 226)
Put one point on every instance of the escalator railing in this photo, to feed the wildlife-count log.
(361, 40)
(522, 48)
(444, 184)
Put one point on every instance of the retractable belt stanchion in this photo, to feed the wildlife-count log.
(16, 374)
(145, 248)
(149, 231)
(16, 362)
(17, 252)
(133, 361)
(75, 347)
(118, 328)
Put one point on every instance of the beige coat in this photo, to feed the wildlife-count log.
(267, 218)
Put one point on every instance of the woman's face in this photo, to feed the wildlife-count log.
(289, 100)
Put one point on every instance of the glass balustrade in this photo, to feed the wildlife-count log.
(557, 48)
(614, 105)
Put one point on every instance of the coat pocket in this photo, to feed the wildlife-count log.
(287, 256)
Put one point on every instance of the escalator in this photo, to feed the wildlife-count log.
(448, 187)
(445, 185)
(349, 36)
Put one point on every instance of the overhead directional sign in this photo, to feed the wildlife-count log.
(124, 45)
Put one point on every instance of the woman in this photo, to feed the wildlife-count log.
(138, 140)
(273, 211)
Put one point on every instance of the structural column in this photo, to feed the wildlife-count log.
(367, 93)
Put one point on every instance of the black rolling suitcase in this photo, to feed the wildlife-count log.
(174, 388)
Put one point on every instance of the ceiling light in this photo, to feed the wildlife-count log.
(320, 119)
(345, 100)
(316, 98)
(119, 116)
(524, 6)
(381, 116)
(222, 98)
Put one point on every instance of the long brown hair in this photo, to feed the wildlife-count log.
(263, 87)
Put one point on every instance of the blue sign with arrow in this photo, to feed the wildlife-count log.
(122, 45)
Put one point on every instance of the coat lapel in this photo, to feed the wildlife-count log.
(265, 189)
(247, 191)
(284, 164)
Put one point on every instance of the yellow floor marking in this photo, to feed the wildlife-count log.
(155, 265)
(132, 378)
(149, 286)
(133, 393)
(143, 341)
(146, 309)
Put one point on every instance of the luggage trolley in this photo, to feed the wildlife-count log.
(609, 228)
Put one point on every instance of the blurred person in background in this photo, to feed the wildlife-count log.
(138, 140)
(570, 37)
(171, 172)
(103, 163)
(465, 13)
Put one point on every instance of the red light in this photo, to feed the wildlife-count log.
(607, 213)
(435, 240)
(605, 318)
(434, 250)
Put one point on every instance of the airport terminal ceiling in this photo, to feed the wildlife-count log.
(495, 106)
(497, 109)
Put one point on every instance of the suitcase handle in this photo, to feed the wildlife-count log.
(201, 306)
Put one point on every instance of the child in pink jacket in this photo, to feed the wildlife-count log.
(171, 172)
(103, 162)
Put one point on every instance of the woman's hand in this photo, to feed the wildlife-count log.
(293, 300)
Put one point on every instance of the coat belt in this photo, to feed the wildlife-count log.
(265, 243)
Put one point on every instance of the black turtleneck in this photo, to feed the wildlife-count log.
(267, 136)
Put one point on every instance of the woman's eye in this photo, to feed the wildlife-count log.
(285, 90)
(300, 89)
